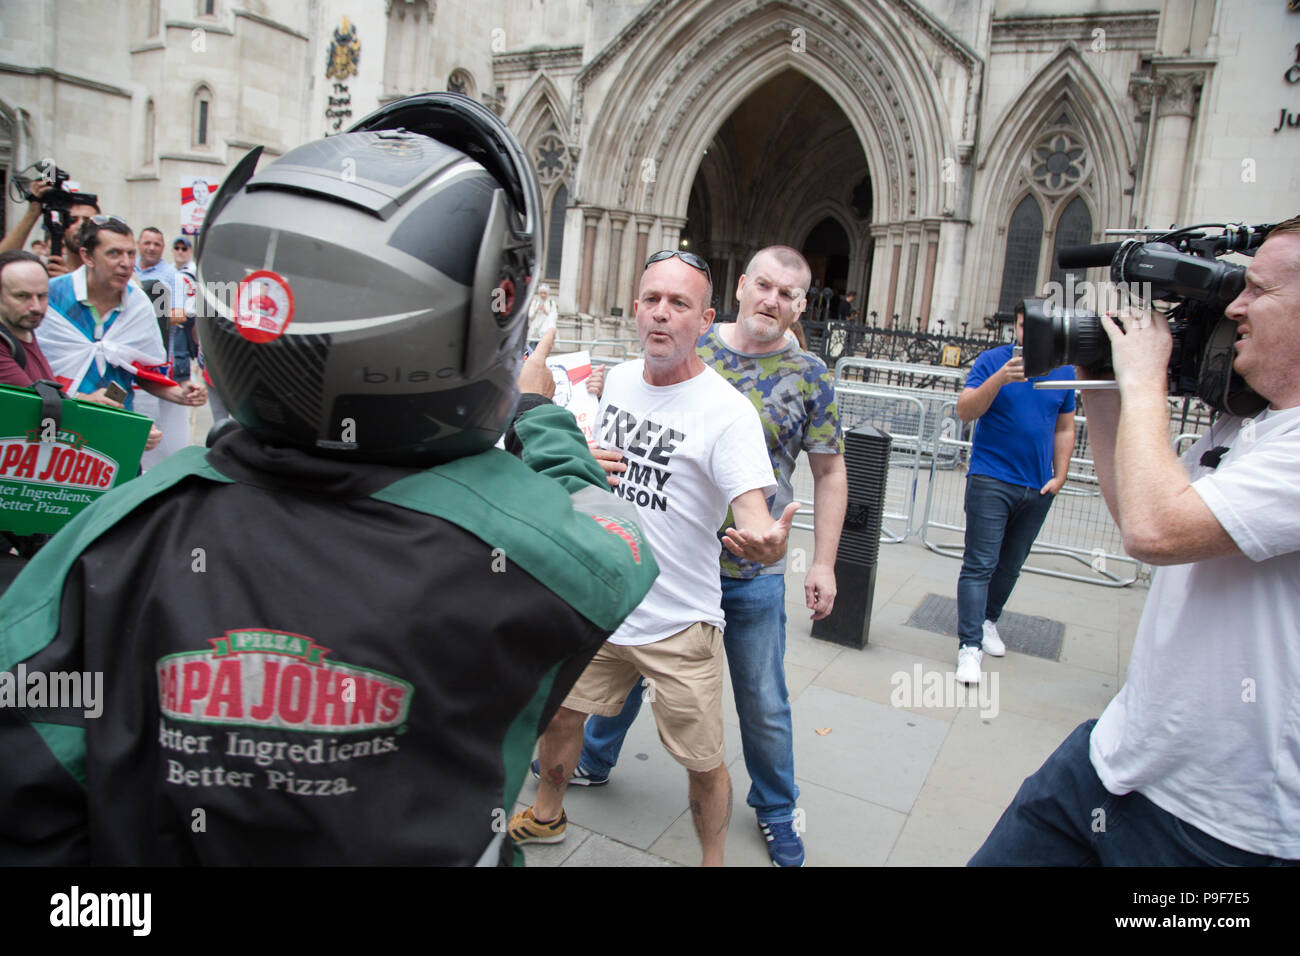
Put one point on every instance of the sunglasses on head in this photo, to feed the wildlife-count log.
(690, 258)
(103, 219)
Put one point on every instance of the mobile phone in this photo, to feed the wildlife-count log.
(1017, 351)
(114, 391)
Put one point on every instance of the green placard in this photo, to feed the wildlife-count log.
(48, 474)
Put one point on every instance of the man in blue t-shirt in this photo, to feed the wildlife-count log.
(1019, 461)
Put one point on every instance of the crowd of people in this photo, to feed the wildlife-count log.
(474, 602)
(117, 323)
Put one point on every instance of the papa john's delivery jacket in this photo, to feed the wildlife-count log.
(304, 661)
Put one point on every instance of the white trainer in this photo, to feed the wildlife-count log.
(993, 645)
(968, 664)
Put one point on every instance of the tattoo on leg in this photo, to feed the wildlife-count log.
(555, 777)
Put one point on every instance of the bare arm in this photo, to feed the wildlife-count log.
(755, 535)
(1162, 518)
(191, 393)
(16, 237)
(830, 500)
(1063, 446)
(1101, 409)
(974, 402)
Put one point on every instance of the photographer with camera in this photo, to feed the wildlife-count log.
(1194, 760)
(63, 212)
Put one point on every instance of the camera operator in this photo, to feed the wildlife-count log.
(74, 209)
(1194, 761)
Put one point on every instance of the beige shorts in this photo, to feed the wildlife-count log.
(685, 690)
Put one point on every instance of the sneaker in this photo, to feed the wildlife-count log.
(582, 777)
(993, 645)
(968, 664)
(525, 828)
(783, 843)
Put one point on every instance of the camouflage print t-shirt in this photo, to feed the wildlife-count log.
(795, 397)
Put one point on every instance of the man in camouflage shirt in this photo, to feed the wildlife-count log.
(795, 397)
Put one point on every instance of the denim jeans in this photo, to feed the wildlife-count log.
(1064, 816)
(755, 644)
(1002, 521)
(181, 354)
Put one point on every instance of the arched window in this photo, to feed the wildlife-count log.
(462, 81)
(1074, 228)
(555, 232)
(1024, 239)
(201, 137)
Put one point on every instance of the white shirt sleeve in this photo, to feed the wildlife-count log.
(1256, 494)
(740, 461)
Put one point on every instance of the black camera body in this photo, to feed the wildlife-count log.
(1180, 267)
(55, 201)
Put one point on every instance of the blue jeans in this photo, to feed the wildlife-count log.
(754, 639)
(1064, 816)
(1002, 521)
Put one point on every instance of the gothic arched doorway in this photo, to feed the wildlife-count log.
(783, 168)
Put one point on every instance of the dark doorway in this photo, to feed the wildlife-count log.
(827, 252)
(787, 148)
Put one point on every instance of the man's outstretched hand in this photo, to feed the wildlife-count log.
(766, 547)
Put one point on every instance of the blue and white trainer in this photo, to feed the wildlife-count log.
(582, 777)
(783, 844)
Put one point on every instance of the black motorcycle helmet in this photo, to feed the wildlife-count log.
(365, 296)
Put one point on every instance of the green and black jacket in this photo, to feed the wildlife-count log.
(304, 661)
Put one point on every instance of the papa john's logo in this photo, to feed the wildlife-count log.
(265, 678)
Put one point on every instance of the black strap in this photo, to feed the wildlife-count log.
(51, 394)
(16, 347)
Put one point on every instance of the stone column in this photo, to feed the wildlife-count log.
(672, 231)
(1171, 96)
(895, 262)
(615, 289)
(590, 220)
(927, 283)
(643, 224)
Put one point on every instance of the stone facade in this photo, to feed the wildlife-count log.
(894, 141)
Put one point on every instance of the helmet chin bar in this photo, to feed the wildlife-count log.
(489, 310)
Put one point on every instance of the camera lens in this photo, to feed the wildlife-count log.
(1056, 337)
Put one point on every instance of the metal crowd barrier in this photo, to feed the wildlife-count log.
(904, 417)
(875, 372)
(1078, 527)
(607, 351)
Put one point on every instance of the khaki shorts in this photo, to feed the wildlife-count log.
(685, 690)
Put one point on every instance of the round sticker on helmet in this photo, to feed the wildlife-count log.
(263, 306)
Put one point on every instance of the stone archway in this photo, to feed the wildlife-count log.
(783, 160)
(669, 81)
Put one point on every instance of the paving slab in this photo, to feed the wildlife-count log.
(602, 851)
(873, 751)
(988, 758)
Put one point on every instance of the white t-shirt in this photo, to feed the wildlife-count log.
(1207, 725)
(690, 448)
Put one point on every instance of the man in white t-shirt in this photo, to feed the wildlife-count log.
(683, 445)
(1197, 759)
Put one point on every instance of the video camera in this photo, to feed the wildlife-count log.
(1180, 267)
(55, 201)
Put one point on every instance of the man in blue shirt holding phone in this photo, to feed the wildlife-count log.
(1020, 457)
